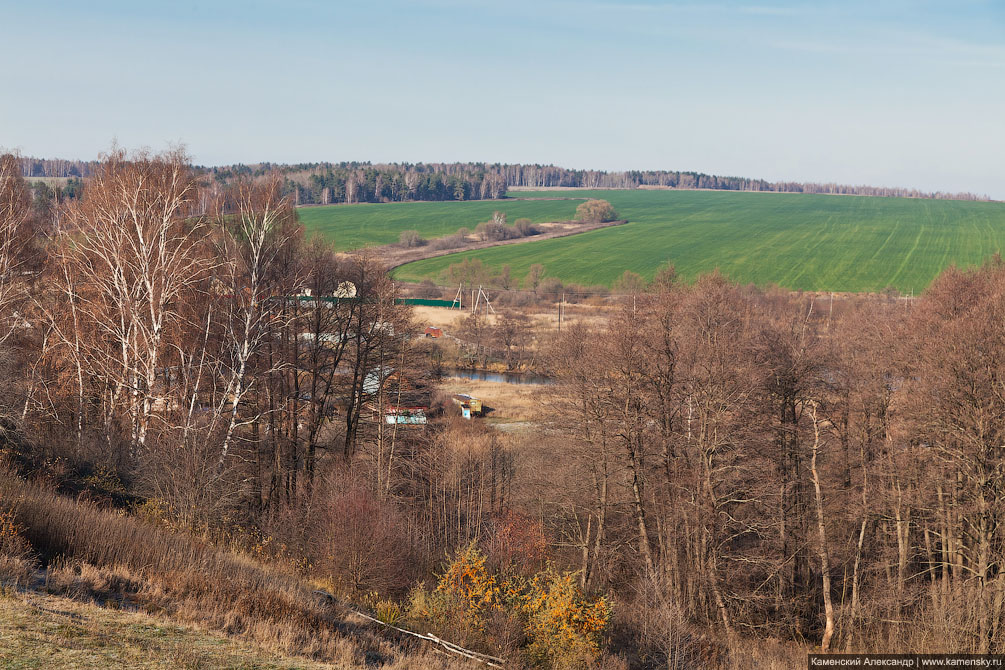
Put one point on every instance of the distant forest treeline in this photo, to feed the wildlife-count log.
(352, 182)
(549, 176)
(327, 183)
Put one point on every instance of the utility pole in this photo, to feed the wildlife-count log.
(488, 304)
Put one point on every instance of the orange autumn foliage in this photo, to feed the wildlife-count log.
(561, 623)
(468, 582)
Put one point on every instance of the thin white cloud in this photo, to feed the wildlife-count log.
(772, 11)
(947, 51)
(694, 7)
(644, 6)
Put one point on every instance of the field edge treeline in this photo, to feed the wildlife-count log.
(322, 183)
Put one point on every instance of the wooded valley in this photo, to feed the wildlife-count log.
(209, 415)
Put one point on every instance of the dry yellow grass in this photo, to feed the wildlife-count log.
(111, 558)
(435, 316)
(544, 319)
(509, 402)
(44, 631)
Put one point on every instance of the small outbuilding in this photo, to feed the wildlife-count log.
(415, 416)
(470, 405)
(433, 331)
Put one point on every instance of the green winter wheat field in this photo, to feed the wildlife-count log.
(798, 241)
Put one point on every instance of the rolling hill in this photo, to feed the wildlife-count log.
(798, 241)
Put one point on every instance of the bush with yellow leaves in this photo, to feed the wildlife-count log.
(562, 627)
(468, 582)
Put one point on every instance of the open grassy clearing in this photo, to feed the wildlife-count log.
(799, 241)
(505, 403)
(355, 226)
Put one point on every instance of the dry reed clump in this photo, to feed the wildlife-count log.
(948, 621)
(17, 560)
(455, 241)
(765, 654)
(112, 586)
(114, 559)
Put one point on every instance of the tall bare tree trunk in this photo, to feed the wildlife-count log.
(822, 533)
(902, 526)
(640, 513)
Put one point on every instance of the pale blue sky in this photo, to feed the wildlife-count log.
(884, 92)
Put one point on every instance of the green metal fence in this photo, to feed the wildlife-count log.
(400, 301)
(425, 301)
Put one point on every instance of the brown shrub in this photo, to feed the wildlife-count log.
(454, 241)
(525, 228)
(596, 210)
(359, 540)
(516, 543)
(410, 239)
(428, 289)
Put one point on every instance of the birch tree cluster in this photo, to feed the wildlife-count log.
(193, 345)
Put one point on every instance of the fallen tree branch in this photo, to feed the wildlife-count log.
(491, 661)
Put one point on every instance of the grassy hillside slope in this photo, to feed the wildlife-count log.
(104, 556)
(808, 242)
(44, 631)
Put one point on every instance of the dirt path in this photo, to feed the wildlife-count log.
(543, 198)
(393, 255)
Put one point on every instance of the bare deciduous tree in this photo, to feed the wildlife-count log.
(258, 223)
(15, 237)
(131, 246)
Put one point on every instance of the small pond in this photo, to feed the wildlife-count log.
(504, 377)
